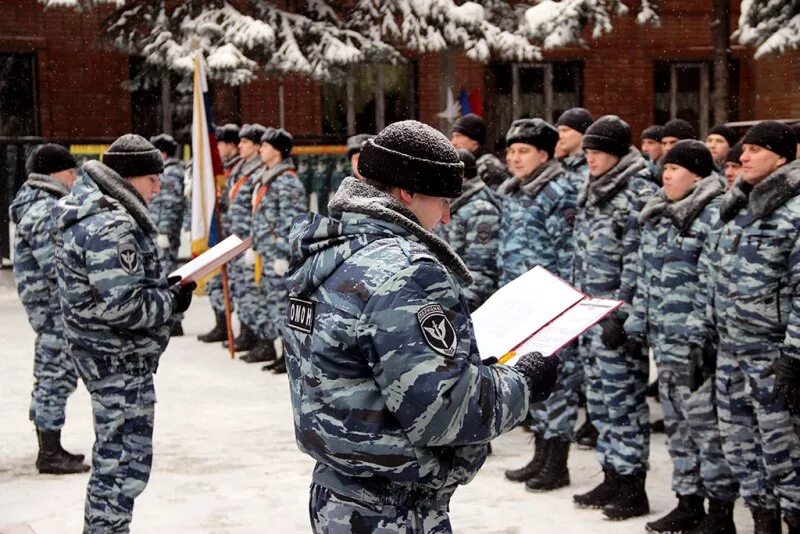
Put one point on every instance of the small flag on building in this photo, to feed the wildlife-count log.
(206, 164)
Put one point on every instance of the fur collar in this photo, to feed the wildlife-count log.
(471, 187)
(775, 190)
(270, 174)
(735, 199)
(541, 177)
(355, 196)
(683, 212)
(598, 191)
(654, 207)
(47, 183)
(247, 167)
(116, 187)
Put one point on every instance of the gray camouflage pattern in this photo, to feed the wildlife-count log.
(167, 209)
(392, 413)
(605, 266)
(117, 309)
(473, 233)
(35, 277)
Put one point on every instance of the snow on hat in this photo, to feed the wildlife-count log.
(692, 155)
(280, 139)
(679, 128)
(470, 166)
(654, 132)
(608, 134)
(735, 154)
(579, 119)
(227, 133)
(535, 132)
(413, 156)
(725, 131)
(132, 155)
(355, 142)
(51, 158)
(252, 132)
(471, 125)
(165, 143)
(774, 136)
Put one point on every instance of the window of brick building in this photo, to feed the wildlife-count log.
(372, 97)
(532, 90)
(683, 90)
(19, 103)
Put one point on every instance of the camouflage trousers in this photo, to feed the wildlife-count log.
(616, 404)
(273, 304)
(123, 407)
(693, 441)
(760, 439)
(334, 514)
(556, 416)
(245, 292)
(54, 380)
(216, 295)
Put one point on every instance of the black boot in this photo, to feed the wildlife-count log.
(245, 341)
(586, 436)
(51, 460)
(264, 351)
(554, 473)
(280, 367)
(719, 519)
(766, 520)
(686, 516)
(176, 330)
(630, 500)
(74, 457)
(600, 495)
(218, 333)
(657, 427)
(531, 468)
(794, 524)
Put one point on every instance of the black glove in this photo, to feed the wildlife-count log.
(613, 335)
(702, 364)
(182, 293)
(491, 360)
(787, 383)
(635, 347)
(541, 373)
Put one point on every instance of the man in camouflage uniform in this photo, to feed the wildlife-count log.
(279, 197)
(651, 147)
(719, 140)
(354, 144)
(538, 216)
(227, 145)
(676, 224)
(571, 126)
(754, 306)
(167, 209)
(117, 307)
(469, 133)
(237, 220)
(52, 174)
(604, 266)
(473, 231)
(733, 167)
(379, 342)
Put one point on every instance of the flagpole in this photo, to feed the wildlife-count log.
(226, 293)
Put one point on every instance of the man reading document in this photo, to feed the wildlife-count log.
(389, 393)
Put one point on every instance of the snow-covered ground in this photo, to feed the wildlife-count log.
(226, 462)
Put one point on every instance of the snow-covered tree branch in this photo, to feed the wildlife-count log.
(771, 26)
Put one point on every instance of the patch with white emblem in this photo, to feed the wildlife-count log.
(437, 330)
(128, 257)
(300, 315)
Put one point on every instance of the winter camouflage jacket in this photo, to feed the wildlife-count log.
(167, 207)
(607, 230)
(577, 169)
(490, 169)
(473, 233)
(279, 197)
(538, 218)
(34, 269)
(113, 293)
(673, 237)
(387, 385)
(756, 275)
(237, 218)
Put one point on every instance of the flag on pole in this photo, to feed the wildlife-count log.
(206, 164)
(463, 100)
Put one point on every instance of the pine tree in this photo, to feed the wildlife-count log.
(771, 26)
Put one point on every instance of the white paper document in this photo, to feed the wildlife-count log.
(536, 311)
(205, 263)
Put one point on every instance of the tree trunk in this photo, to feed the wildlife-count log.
(380, 100)
(721, 36)
(166, 102)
